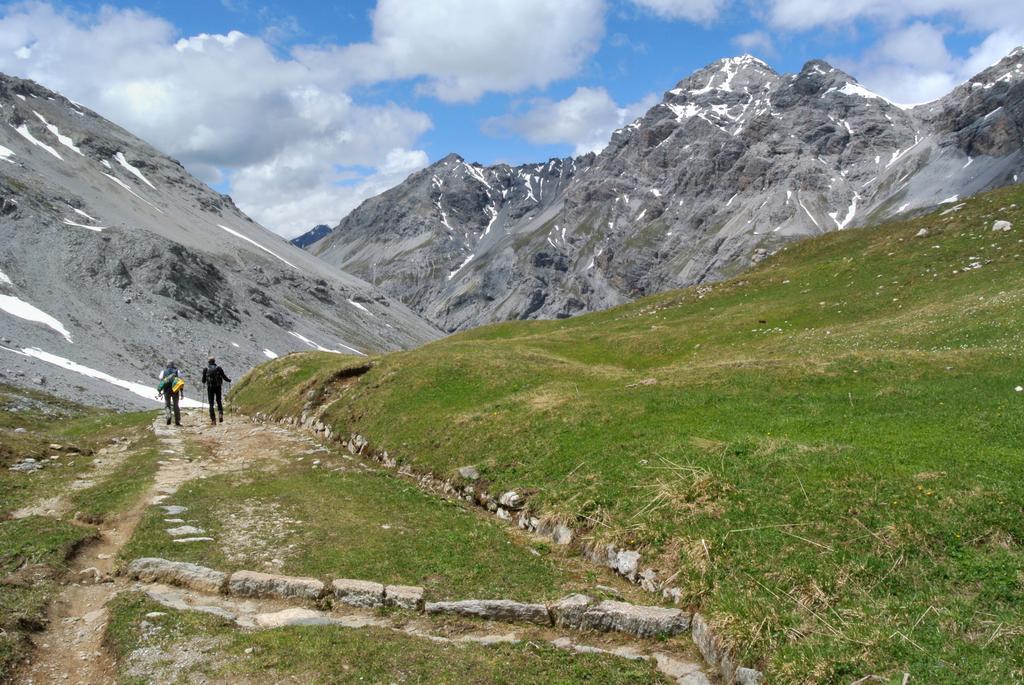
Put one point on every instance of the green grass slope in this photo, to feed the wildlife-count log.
(825, 452)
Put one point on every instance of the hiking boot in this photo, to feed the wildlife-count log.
(213, 421)
(177, 423)
(168, 422)
(222, 418)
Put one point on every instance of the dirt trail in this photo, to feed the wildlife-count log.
(70, 650)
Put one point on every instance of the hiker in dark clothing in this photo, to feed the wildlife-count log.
(213, 378)
(167, 378)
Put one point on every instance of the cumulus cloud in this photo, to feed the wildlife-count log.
(975, 14)
(758, 42)
(689, 10)
(584, 120)
(279, 129)
(912, 64)
(462, 49)
(283, 130)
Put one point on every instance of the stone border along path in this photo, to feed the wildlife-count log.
(258, 601)
(511, 507)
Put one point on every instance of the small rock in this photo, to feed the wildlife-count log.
(155, 614)
(494, 610)
(469, 472)
(626, 562)
(1019, 388)
(633, 619)
(358, 593)
(568, 612)
(511, 500)
(182, 531)
(1001, 225)
(20, 430)
(923, 233)
(55, 447)
(404, 596)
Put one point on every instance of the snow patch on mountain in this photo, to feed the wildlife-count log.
(23, 310)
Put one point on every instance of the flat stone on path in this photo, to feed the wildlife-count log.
(198, 539)
(254, 584)
(404, 596)
(494, 610)
(182, 531)
(173, 509)
(364, 594)
(182, 574)
(293, 617)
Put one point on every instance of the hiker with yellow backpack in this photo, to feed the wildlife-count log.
(171, 384)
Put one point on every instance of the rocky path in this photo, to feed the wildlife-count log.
(70, 650)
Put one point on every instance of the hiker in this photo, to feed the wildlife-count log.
(213, 377)
(170, 386)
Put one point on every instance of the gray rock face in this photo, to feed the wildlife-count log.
(253, 584)
(358, 593)
(126, 260)
(493, 610)
(733, 163)
(154, 570)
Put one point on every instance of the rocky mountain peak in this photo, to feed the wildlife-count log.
(742, 74)
(735, 161)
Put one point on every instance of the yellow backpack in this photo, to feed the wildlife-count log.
(179, 384)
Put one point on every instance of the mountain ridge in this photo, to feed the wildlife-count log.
(735, 161)
(113, 258)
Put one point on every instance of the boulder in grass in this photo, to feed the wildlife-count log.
(1002, 225)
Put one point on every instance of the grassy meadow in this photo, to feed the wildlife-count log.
(826, 453)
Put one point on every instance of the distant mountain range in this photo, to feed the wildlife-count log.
(311, 236)
(733, 163)
(113, 259)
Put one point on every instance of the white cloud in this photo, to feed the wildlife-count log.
(584, 120)
(465, 48)
(974, 14)
(689, 10)
(220, 102)
(756, 42)
(912, 65)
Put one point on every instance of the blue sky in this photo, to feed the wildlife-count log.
(302, 109)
